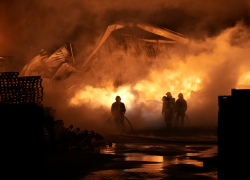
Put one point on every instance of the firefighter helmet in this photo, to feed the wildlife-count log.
(118, 98)
(180, 95)
(168, 93)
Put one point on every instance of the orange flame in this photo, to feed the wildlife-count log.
(185, 77)
(97, 97)
(244, 79)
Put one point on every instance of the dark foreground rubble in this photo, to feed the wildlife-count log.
(69, 139)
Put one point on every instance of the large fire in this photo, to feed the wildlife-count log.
(103, 96)
(244, 79)
(177, 75)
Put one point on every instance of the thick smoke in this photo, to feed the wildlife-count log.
(29, 26)
(218, 62)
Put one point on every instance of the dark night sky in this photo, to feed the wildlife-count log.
(27, 26)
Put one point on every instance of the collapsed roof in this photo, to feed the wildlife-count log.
(140, 31)
(60, 65)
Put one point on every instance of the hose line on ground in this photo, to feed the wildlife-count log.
(124, 117)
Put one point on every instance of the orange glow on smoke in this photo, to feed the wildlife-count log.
(244, 79)
(158, 84)
(152, 88)
(177, 75)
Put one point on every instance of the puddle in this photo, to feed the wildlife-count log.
(209, 152)
(155, 166)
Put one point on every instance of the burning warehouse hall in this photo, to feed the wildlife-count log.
(121, 48)
(141, 62)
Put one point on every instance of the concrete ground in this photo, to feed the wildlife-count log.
(151, 154)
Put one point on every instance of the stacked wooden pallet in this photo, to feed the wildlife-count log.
(9, 87)
(30, 90)
(17, 90)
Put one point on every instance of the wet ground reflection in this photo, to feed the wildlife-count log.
(158, 161)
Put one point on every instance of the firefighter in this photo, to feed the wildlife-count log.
(168, 109)
(180, 109)
(118, 110)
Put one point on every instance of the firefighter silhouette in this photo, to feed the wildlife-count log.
(168, 109)
(118, 110)
(180, 109)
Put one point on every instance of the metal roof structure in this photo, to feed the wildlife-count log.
(60, 65)
(141, 31)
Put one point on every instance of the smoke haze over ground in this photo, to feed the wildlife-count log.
(216, 60)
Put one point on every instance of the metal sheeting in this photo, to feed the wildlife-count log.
(74, 80)
(164, 32)
(56, 67)
(52, 67)
(109, 30)
(159, 41)
(47, 83)
(54, 62)
(35, 67)
(45, 66)
(64, 72)
(176, 37)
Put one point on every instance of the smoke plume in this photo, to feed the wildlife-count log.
(216, 60)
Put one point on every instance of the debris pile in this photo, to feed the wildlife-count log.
(76, 140)
(69, 139)
(60, 138)
(23, 93)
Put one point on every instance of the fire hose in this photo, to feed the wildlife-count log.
(124, 117)
(187, 119)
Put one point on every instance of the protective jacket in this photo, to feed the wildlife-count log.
(168, 105)
(118, 108)
(181, 106)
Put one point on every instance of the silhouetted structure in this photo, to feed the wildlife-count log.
(22, 140)
(120, 44)
(22, 119)
(17, 90)
(49, 123)
(58, 138)
(233, 136)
